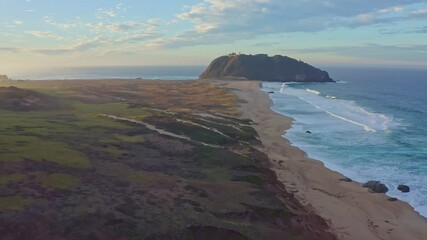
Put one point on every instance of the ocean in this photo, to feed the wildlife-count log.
(370, 125)
(128, 72)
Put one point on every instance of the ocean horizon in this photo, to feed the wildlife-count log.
(368, 127)
(189, 72)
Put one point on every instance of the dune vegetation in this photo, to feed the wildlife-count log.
(135, 160)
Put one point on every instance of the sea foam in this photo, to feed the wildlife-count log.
(344, 110)
(368, 131)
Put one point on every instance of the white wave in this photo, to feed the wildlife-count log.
(312, 91)
(283, 87)
(343, 110)
(365, 127)
(331, 97)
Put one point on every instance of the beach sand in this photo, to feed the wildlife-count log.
(351, 211)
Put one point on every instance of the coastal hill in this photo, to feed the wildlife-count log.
(264, 68)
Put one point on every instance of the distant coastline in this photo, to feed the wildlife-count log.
(113, 72)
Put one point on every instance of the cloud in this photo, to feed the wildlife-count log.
(81, 46)
(100, 43)
(110, 13)
(71, 24)
(116, 27)
(251, 18)
(227, 21)
(45, 34)
(402, 52)
(10, 49)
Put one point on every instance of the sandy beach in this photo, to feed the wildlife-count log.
(351, 211)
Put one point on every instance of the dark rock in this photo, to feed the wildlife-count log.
(375, 187)
(270, 92)
(346, 179)
(264, 68)
(308, 132)
(403, 188)
(392, 199)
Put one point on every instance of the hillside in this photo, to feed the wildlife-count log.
(17, 99)
(264, 68)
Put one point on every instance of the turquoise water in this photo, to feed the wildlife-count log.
(372, 127)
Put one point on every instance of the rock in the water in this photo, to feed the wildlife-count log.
(375, 187)
(271, 92)
(308, 132)
(264, 68)
(403, 188)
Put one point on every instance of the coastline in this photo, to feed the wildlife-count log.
(351, 211)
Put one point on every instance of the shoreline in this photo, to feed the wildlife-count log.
(351, 211)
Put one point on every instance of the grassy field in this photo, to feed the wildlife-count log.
(194, 174)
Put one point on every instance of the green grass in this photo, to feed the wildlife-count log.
(253, 179)
(16, 203)
(123, 138)
(113, 150)
(48, 135)
(129, 139)
(148, 177)
(59, 180)
(212, 157)
(217, 174)
(18, 148)
(11, 178)
(140, 177)
(87, 113)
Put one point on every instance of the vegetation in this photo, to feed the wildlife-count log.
(58, 180)
(16, 203)
(78, 174)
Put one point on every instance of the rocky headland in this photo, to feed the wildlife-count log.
(264, 68)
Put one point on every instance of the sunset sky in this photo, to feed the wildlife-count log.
(52, 33)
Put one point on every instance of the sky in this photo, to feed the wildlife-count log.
(37, 34)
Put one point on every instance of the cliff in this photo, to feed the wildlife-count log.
(264, 68)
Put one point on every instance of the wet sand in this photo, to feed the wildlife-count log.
(351, 211)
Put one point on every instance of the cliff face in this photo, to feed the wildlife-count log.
(264, 68)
